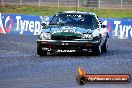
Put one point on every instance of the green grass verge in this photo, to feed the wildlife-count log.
(49, 11)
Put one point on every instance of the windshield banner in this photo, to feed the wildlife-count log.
(31, 25)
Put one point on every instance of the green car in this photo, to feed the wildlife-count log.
(73, 31)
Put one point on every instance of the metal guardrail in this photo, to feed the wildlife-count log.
(121, 4)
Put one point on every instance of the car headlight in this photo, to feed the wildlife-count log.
(45, 36)
(87, 36)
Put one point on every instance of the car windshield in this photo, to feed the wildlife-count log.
(74, 19)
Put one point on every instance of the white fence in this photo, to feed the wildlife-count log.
(121, 4)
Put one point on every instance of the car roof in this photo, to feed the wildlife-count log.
(77, 12)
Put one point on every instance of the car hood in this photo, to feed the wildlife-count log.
(68, 30)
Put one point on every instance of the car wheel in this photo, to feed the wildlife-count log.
(98, 50)
(40, 51)
(105, 47)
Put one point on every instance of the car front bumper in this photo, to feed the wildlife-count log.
(68, 45)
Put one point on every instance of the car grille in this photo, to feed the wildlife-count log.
(65, 37)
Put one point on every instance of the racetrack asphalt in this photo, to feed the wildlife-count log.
(21, 67)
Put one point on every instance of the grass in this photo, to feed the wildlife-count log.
(49, 11)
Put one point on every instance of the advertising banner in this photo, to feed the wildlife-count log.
(118, 27)
(31, 25)
(22, 24)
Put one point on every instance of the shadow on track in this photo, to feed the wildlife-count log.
(71, 55)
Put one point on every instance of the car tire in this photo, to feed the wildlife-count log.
(98, 50)
(105, 47)
(40, 52)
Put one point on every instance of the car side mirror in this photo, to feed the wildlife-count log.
(100, 22)
(103, 26)
(43, 24)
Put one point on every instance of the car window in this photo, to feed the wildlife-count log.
(95, 22)
(74, 19)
